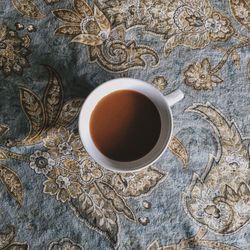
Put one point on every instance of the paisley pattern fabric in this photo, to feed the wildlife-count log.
(53, 195)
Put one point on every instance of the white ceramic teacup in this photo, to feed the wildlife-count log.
(163, 104)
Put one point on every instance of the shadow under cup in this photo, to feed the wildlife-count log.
(125, 84)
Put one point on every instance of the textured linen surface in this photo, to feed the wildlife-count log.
(53, 53)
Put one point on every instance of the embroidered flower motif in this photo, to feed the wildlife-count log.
(219, 27)
(41, 162)
(62, 183)
(128, 12)
(86, 26)
(64, 244)
(200, 77)
(90, 170)
(197, 23)
(60, 142)
(241, 11)
(13, 51)
(191, 23)
(160, 82)
(87, 169)
(146, 12)
(65, 148)
(239, 200)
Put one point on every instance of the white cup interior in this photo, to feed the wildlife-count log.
(125, 84)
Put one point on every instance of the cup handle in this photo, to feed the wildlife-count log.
(174, 97)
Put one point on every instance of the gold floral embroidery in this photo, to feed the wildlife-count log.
(72, 177)
(160, 82)
(52, 98)
(177, 148)
(69, 112)
(48, 111)
(117, 201)
(34, 110)
(61, 143)
(193, 242)
(86, 26)
(74, 167)
(200, 76)
(195, 24)
(241, 11)
(7, 240)
(12, 183)
(119, 56)
(13, 51)
(191, 23)
(220, 198)
(92, 208)
(6, 154)
(120, 12)
(41, 162)
(62, 183)
(28, 8)
(136, 184)
(91, 27)
(64, 244)
(89, 170)
(238, 199)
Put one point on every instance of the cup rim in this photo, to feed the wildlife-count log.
(136, 168)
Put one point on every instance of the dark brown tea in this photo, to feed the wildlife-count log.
(125, 125)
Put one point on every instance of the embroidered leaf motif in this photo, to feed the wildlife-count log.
(118, 56)
(88, 39)
(12, 182)
(229, 134)
(33, 108)
(118, 203)
(28, 8)
(70, 111)
(68, 16)
(6, 154)
(91, 207)
(83, 8)
(195, 40)
(241, 10)
(53, 97)
(210, 200)
(3, 155)
(178, 149)
(137, 183)
(68, 30)
(7, 237)
(3, 129)
(101, 19)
